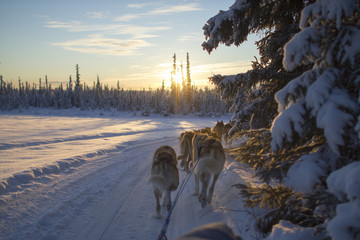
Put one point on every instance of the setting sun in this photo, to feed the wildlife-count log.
(178, 77)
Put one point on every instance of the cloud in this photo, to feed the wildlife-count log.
(97, 40)
(127, 17)
(224, 68)
(140, 31)
(104, 46)
(138, 5)
(98, 15)
(194, 37)
(134, 31)
(59, 24)
(158, 11)
(175, 9)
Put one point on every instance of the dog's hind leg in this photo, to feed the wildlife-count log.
(157, 195)
(196, 176)
(205, 178)
(189, 162)
(211, 190)
(164, 201)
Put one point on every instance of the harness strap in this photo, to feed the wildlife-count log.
(162, 234)
(167, 180)
(206, 147)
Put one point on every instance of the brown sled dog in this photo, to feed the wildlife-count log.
(164, 175)
(218, 130)
(186, 147)
(209, 157)
(186, 150)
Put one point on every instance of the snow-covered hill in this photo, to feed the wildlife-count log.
(79, 175)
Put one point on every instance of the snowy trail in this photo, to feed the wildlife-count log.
(107, 195)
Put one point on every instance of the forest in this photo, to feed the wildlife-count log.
(178, 99)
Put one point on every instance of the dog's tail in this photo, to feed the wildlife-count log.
(212, 163)
(206, 165)
(159, 182)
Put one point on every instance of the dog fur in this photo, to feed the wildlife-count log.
(186, 147)
(226, 130)
(164, 155)
(218, 130)
(186, 150)
(209, 157)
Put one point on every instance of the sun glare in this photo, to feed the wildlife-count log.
(178, 78)
(167, 78)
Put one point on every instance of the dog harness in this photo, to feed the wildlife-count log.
(212, 141)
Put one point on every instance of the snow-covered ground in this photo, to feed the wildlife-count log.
(84, 175)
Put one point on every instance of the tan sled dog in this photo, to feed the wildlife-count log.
(186, 147)
(209, 157)
(218, 130)
(186, 150)
(164, 174)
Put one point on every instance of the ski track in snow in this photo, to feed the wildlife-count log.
(105, 194)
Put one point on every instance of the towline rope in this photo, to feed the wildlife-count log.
(162, 235)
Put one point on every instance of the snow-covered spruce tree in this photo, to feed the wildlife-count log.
(324, 102)
(252, 93)
(317, 130)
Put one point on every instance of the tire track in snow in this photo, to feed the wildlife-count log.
(5, 146)
(68, 198)
(104, 218)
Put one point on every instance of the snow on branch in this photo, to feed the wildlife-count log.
(306, 173)
(344, 184)
(318, 93)
(339, 184)
(294, 90)
(286, 124)
(334, 122)
(319, 21)
(349, 39)
(328, 9)
(304, 45)
(226, 28)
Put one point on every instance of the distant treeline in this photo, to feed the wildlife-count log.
(163, 100)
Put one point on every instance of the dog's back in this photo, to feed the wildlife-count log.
(164, 175)
(211, 155)
(186, 149)
(164, 155)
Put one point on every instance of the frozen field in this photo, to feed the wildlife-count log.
(81, 175)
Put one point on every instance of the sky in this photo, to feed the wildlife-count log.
(130, 41)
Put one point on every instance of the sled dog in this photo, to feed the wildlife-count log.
(218, 130)
(205, 130)
(227, 128)
(164, 175)
(209, 157)
(186, 149)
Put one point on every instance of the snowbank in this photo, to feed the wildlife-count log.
(285, 230)
(345, 185)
